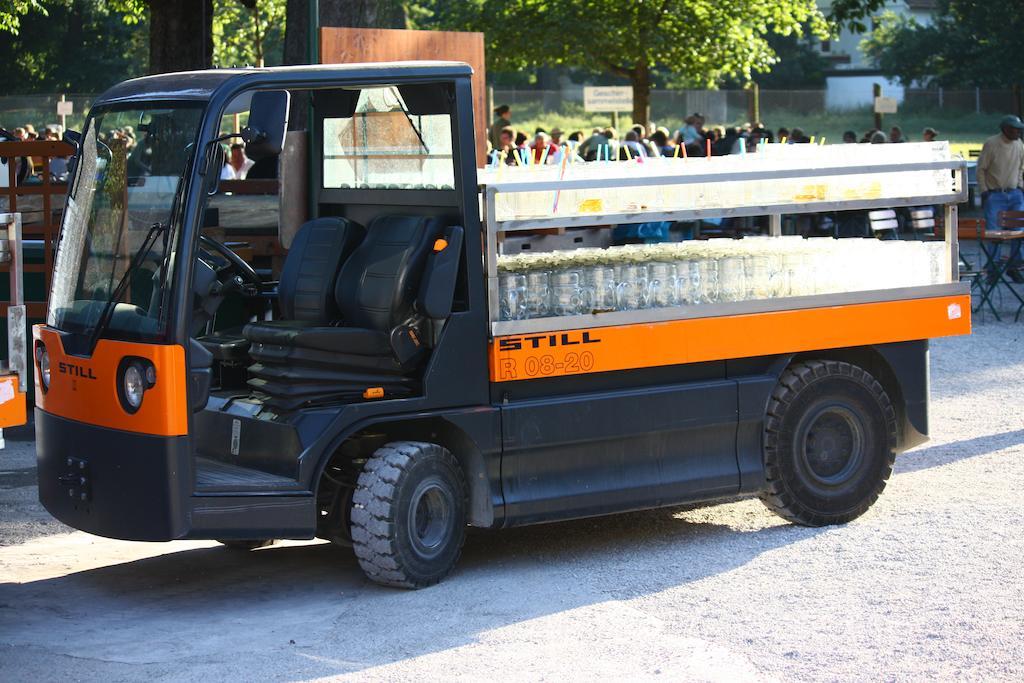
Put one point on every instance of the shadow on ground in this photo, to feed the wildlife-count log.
(954, 451)
(302, 600)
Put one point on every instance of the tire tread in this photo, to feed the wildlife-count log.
(777, 495)
(374, 510)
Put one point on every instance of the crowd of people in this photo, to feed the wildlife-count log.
(510, 146)
(237, 166)
(29, 168)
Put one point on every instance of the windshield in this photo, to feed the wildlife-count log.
(129, 177)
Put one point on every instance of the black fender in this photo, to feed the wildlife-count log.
(900, 367)
(472, 435)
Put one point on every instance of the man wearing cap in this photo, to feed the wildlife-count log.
(1001, 176)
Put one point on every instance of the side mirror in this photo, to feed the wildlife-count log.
(268, 121)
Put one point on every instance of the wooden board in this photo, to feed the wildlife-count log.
(353, 45)
(41, 206)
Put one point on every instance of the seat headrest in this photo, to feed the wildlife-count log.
(378, 285)
(320, 247)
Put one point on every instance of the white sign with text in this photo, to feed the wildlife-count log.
(885, 105)
(607, 98)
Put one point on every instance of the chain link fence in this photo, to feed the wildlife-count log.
(736, 106)
(975, 101)
(41, 110)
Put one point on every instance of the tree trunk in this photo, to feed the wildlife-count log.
(363, 13)
(259, 33)
(295, 30)
(640, 79)
(180, 38)
(353, 13)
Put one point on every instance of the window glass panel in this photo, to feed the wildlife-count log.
(382, 146)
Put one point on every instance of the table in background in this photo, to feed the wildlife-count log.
(995, 270)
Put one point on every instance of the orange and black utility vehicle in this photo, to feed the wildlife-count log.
(385, 378)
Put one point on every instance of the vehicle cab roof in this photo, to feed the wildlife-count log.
(202, 85)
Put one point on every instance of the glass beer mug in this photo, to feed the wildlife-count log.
(662, 285)
(709, 280)
(732, 279)
(599, 288)
(566, 293)
(538, 294)
(631, 286)
(512, 296)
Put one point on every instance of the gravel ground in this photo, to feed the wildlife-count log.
(927, 585)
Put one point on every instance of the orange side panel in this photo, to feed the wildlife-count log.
(85, 389)
(627, 347)
(12, 403)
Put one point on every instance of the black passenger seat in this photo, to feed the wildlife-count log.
(299, 363)
(306, 289)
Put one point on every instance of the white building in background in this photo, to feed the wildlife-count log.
(850, 79)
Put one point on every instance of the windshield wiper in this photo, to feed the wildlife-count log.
(412, 125)
(108, 308)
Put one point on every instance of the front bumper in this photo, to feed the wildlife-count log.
(113, 483)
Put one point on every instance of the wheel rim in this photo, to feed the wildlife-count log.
(430, 515)
(832, 444)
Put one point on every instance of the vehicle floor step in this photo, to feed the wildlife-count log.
(214, 475)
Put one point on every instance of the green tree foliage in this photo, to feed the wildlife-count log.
(248, 32)
(11, 12)
(854, 14)
(703, 42)
(799, 65)
(78, 46)
(904, 49)
(971, 43)
(133, 11)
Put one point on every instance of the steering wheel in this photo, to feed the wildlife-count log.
(235, 274)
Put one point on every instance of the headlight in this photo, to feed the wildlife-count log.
(134, 376)
(134, 387)
(43, 358)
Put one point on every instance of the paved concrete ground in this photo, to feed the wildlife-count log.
(927, 585)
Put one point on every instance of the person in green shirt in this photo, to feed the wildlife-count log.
(503, 119)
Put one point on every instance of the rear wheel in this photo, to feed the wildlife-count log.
(409, 514)
(829, 441)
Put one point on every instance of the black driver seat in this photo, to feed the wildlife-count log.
(377, 287)
(306, 289)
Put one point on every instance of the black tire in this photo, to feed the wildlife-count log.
(248, 545)
(409, 514)
(829, 443)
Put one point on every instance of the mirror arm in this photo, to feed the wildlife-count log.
(225, 137)
(216, 141)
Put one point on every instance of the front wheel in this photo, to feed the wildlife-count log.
(829, 443)
(409, 514)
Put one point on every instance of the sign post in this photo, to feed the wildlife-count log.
(65, 108)
(883, 105)
(612, 99)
